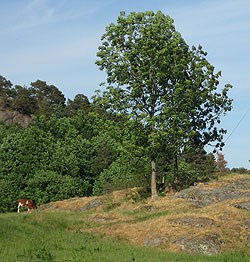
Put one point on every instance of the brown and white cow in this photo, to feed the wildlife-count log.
(23, 202)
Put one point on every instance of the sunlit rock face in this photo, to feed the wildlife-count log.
(14, 117)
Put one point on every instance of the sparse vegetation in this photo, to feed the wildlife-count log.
(63, 236)
(210, 219)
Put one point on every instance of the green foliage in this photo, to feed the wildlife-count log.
(186, 176)
(44, 165)
(38, 99)
(203, 164)
(48, 97)
(47, 186)
(123, 173)
(156, 79)
(9, 188)
(80, 102)
(5, 92)
(24, 151)
(23, 101)
(239, 170)
(62, 157)
(194, 165)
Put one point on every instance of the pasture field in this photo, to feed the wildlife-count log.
(61, 236)
(208, 222)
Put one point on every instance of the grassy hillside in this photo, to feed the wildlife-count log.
(212, 219)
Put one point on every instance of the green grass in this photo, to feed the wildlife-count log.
(56, 236)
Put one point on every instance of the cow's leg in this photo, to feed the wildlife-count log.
(18, 207)
(28, 204)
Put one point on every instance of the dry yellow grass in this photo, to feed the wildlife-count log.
(167, 220)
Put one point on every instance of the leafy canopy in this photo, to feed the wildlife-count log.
(155, 78)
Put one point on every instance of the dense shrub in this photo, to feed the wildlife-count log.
(186, 176)
(46, 186)
(8, 192)
(123, 173)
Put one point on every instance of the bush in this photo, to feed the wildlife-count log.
(239, 170)
(8, 192)
(185, 176)
(123, 173)
(47, 186)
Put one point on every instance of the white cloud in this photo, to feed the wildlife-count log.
(43, 12)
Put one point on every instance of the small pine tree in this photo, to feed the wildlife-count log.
(221, 164)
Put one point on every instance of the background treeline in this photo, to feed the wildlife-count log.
(71, 148)
(76, 148)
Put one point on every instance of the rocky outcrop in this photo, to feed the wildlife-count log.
(14, 117)
(202, 196)
(209, 218)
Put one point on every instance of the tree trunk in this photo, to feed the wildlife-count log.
(176, 178)
(154, 194)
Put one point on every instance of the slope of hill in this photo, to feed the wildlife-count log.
(208, 218)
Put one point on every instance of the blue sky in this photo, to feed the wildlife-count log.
(57, 40)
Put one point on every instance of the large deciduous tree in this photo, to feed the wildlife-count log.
(155, 78)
